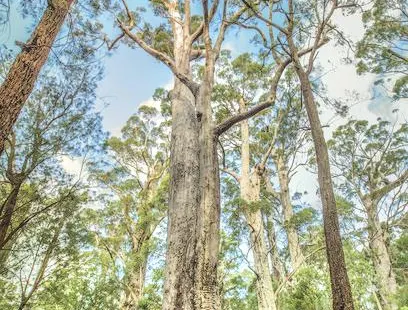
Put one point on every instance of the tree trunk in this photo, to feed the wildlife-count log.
(43, 267)
(341, 290)
(295, 252)
(23, 74)
(381, 258)
(181, 260)
(250, 184)
(208, 224)
(135, 285)
(7, 214)
(340, 285)
(277, 266)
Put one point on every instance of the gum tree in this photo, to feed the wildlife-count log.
(371, 160)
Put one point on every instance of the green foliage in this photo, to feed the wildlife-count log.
(383, 47)
(307, 291)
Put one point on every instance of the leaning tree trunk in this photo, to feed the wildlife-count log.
(24, 71)
(295, 252)
(340, 285)
(7, 214)
(381, 259)
(250, 193)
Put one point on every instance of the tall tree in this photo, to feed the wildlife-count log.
(313, 18)
(24, 71)
(138, 178)
(372, 162)
(194, 207)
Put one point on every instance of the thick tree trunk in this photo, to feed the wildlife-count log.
(250, 193)
(295, 252)
(194, 207)
(341, 290)
(387, 283)
(181, 260)
(23, 73)
(7, 213)
(208, 216)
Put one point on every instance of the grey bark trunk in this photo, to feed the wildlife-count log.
(381, 258)
(295, 251)
(250, 184)
(184, 201)
(194, 206)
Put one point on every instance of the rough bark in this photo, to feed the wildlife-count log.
(184, 199)
(380, 256)
(340, 285)
(23, 73)
(208, 216)
(295, 251)
(250, 184)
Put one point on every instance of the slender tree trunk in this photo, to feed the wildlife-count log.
(296, 255)
(277, 266)
(23, 73)
(381, 258)
(7, 214)
(43, 267)
(340, 285)
(250, 193)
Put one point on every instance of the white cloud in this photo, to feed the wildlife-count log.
(73, 165)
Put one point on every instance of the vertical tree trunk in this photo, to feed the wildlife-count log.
(381, 258)
(341, 290)
(208, 216)
(181, 260)
(7, 213)
(250, 193)
(295, 252)
(23, 73)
